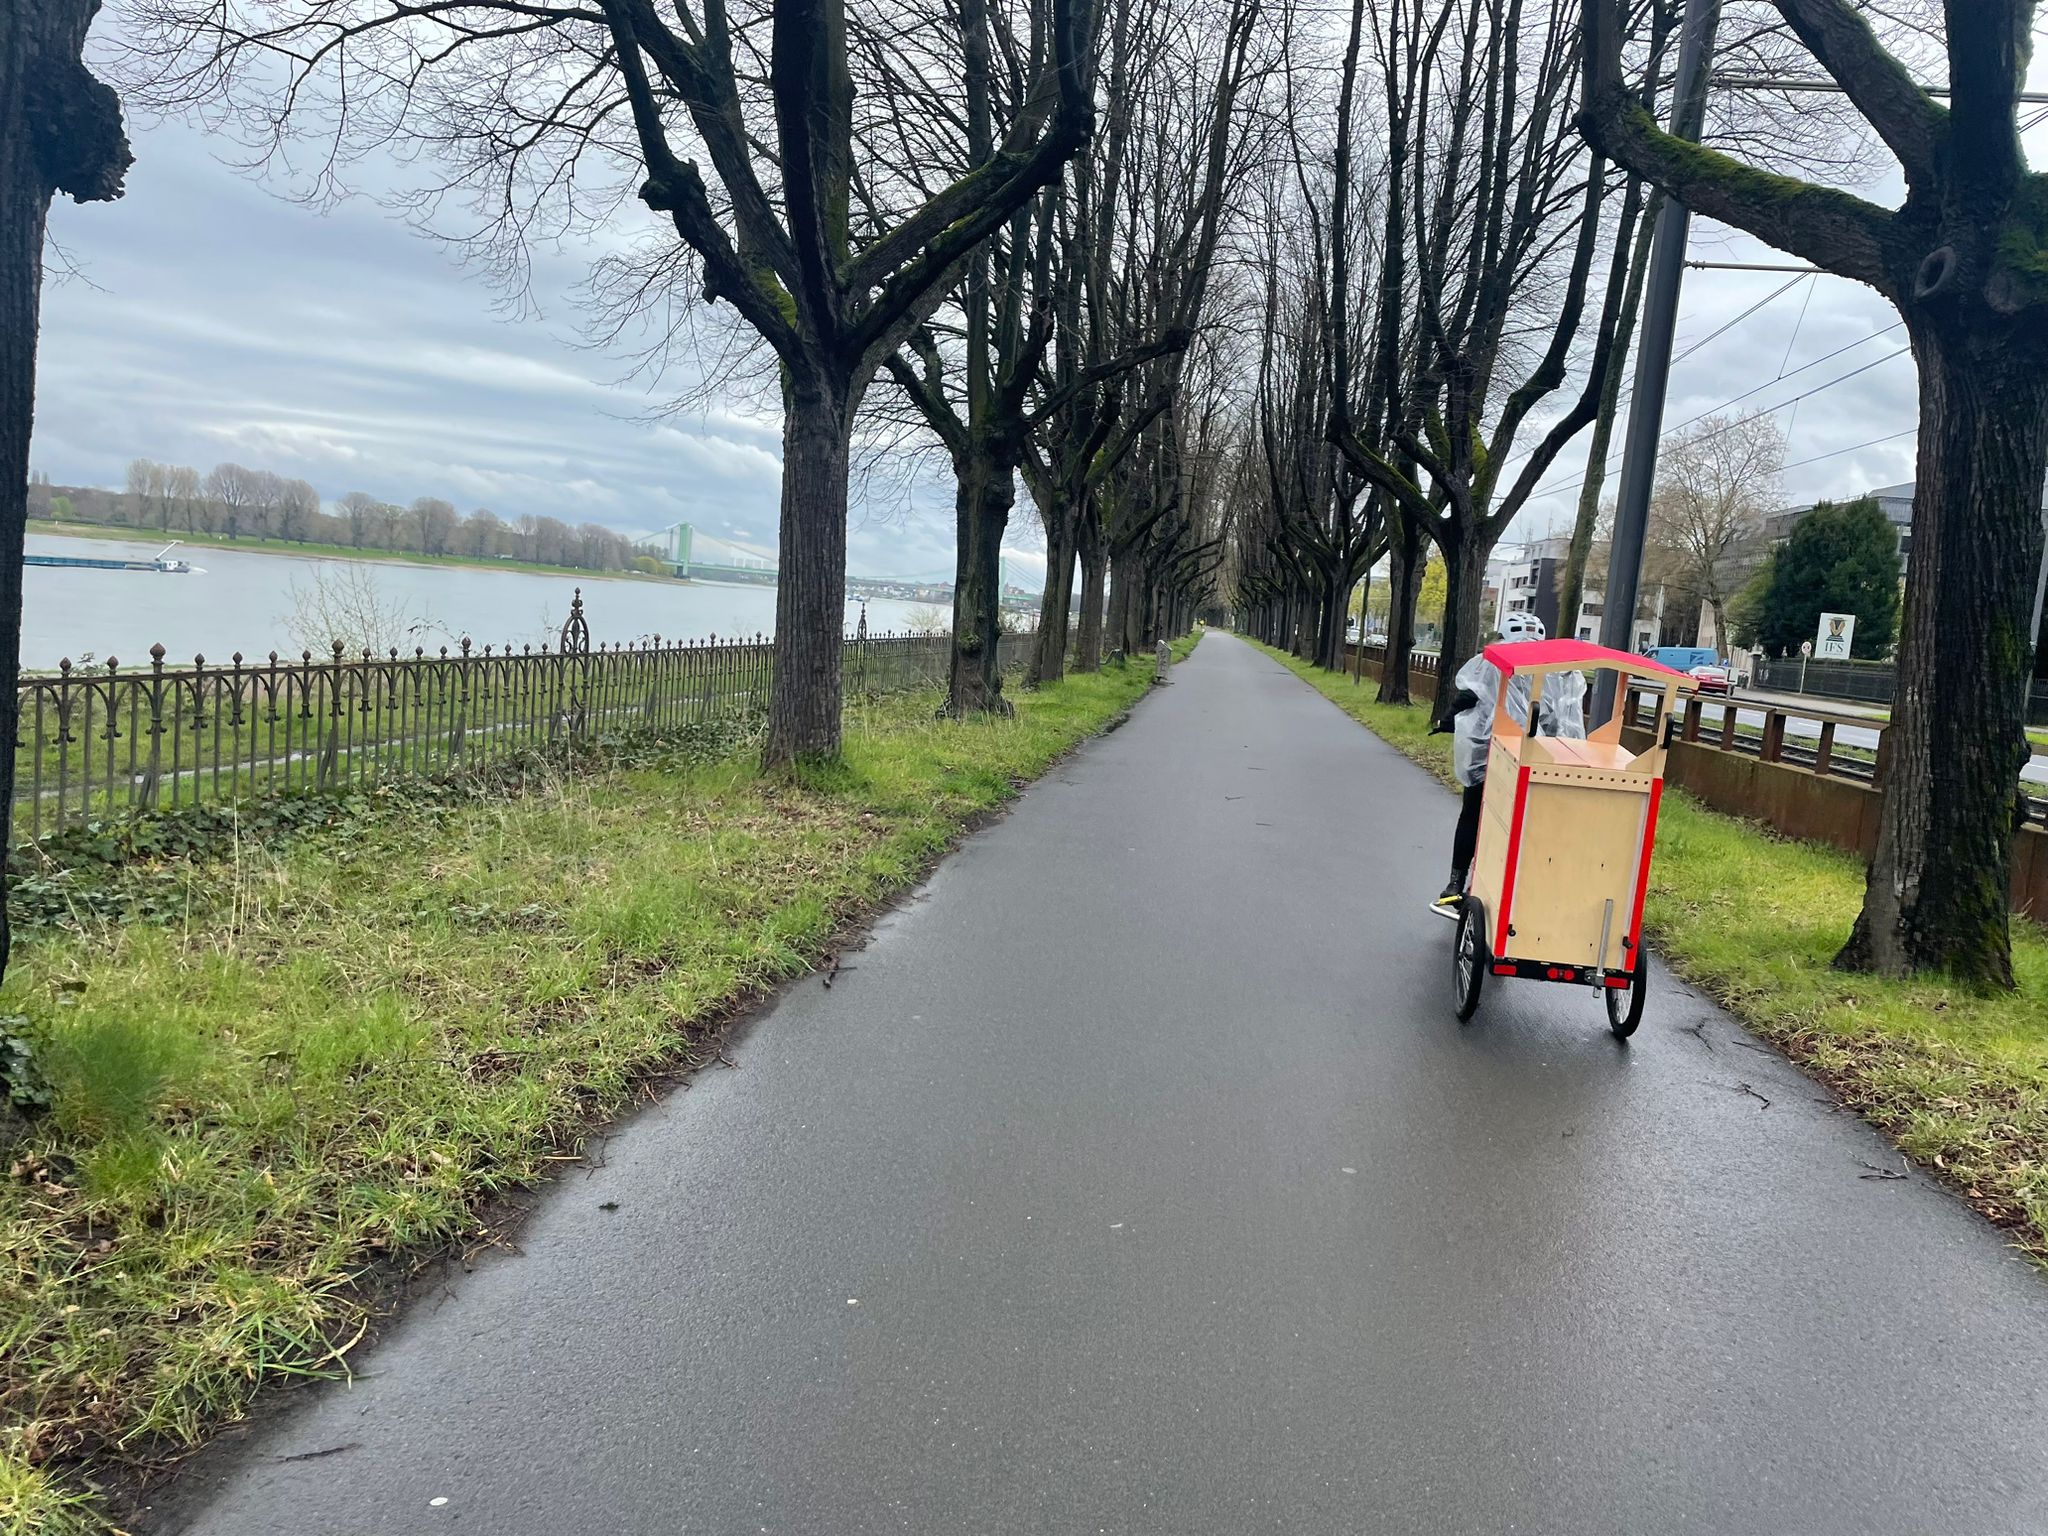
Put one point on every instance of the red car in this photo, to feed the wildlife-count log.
(1709, 677)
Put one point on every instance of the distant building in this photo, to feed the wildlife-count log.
(1895, 501)
(1529, 583)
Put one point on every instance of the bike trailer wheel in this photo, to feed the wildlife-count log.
(1469, 958)
(1625, 1004)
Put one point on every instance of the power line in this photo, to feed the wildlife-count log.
(1629, 393)
(1776, 293)
(1566, 481)
(1838, 452)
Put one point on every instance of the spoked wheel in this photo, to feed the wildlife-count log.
(1469, 958)
(1625, 1004)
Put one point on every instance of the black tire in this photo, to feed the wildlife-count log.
(1469, 958)
(1625, 1004)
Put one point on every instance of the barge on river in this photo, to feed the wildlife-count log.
(163, 562)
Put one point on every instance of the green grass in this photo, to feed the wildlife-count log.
(319, 550)
(337, 1045)
(1959, 1080)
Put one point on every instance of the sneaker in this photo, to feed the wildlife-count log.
(1448, 904)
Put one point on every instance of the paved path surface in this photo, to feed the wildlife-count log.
(1174, 1202)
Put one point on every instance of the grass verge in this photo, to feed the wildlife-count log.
(280, 1071)
(1959, 1081)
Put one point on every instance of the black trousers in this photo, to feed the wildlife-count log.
(1466, 842)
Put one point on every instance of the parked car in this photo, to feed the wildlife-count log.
(1712, 677)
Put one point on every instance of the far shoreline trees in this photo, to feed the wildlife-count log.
(237, 503)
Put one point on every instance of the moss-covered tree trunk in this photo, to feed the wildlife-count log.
(1406, 557)
(1464, 595)
(1965, 260)
(1939, 887)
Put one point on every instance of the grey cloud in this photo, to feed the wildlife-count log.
(220, 321)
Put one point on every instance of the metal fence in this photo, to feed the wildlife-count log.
(1867, 682)
(92, 744)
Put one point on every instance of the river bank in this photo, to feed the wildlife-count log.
(250, 601)
(316, 551)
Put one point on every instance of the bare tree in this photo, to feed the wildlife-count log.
(358, 509)
(390, 522)
(233, 492)
(1716, 482)
(344, 601)
(1963, 261)
(1505, 227)
(60, 131)
(185, 494)
(298, 504)
(434, 522)
(148, 490)
(482, 529)
(520, 92)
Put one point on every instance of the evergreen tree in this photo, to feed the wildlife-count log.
(1841, 558)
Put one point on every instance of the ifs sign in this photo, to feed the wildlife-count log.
(1837, 635)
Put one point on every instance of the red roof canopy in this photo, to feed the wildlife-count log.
(1524, 654)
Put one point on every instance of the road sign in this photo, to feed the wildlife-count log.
(1806, 647)
(1837, 635)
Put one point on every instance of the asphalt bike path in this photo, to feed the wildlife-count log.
(1135, 1178)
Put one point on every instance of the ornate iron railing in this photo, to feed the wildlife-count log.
(111, 741)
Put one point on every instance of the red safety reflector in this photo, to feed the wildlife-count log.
(1617, 982)
(1550, 974)
(1504, 970)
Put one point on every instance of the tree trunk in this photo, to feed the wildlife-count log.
(1464, 596)
(60, 129)
(985, 492)
(1939, 886)
(1055, 608)
(1364, 614)
(1330, 644)
(24, 209)
(1094, 576)
(1120, 582)
(1407, 556)
(810, 596)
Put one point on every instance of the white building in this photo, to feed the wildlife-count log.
(1528, 581)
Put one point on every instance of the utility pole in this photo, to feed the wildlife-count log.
(1653, 357)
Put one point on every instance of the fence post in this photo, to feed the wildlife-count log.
(152, 773)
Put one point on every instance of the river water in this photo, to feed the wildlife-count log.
(246, 601)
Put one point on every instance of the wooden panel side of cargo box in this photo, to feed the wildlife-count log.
(1580, 847)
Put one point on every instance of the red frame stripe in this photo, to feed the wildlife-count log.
(1507, 882)
(1635, 921)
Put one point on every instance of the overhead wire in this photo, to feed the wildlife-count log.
(1666, 435)
(1628, 393)
(1836, 453)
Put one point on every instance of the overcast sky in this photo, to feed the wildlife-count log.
(215, 320)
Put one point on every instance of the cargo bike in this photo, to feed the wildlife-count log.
(1565, 835)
